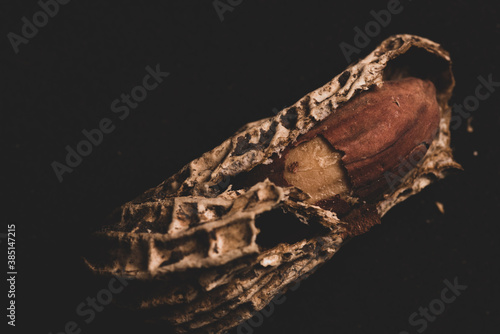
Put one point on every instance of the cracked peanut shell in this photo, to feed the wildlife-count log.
(203, 256)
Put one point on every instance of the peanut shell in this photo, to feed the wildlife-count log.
(191, 242)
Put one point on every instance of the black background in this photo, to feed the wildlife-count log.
(223, 74)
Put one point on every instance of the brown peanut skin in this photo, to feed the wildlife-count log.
(377, 132)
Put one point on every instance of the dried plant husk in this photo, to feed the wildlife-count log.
(191, 243)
